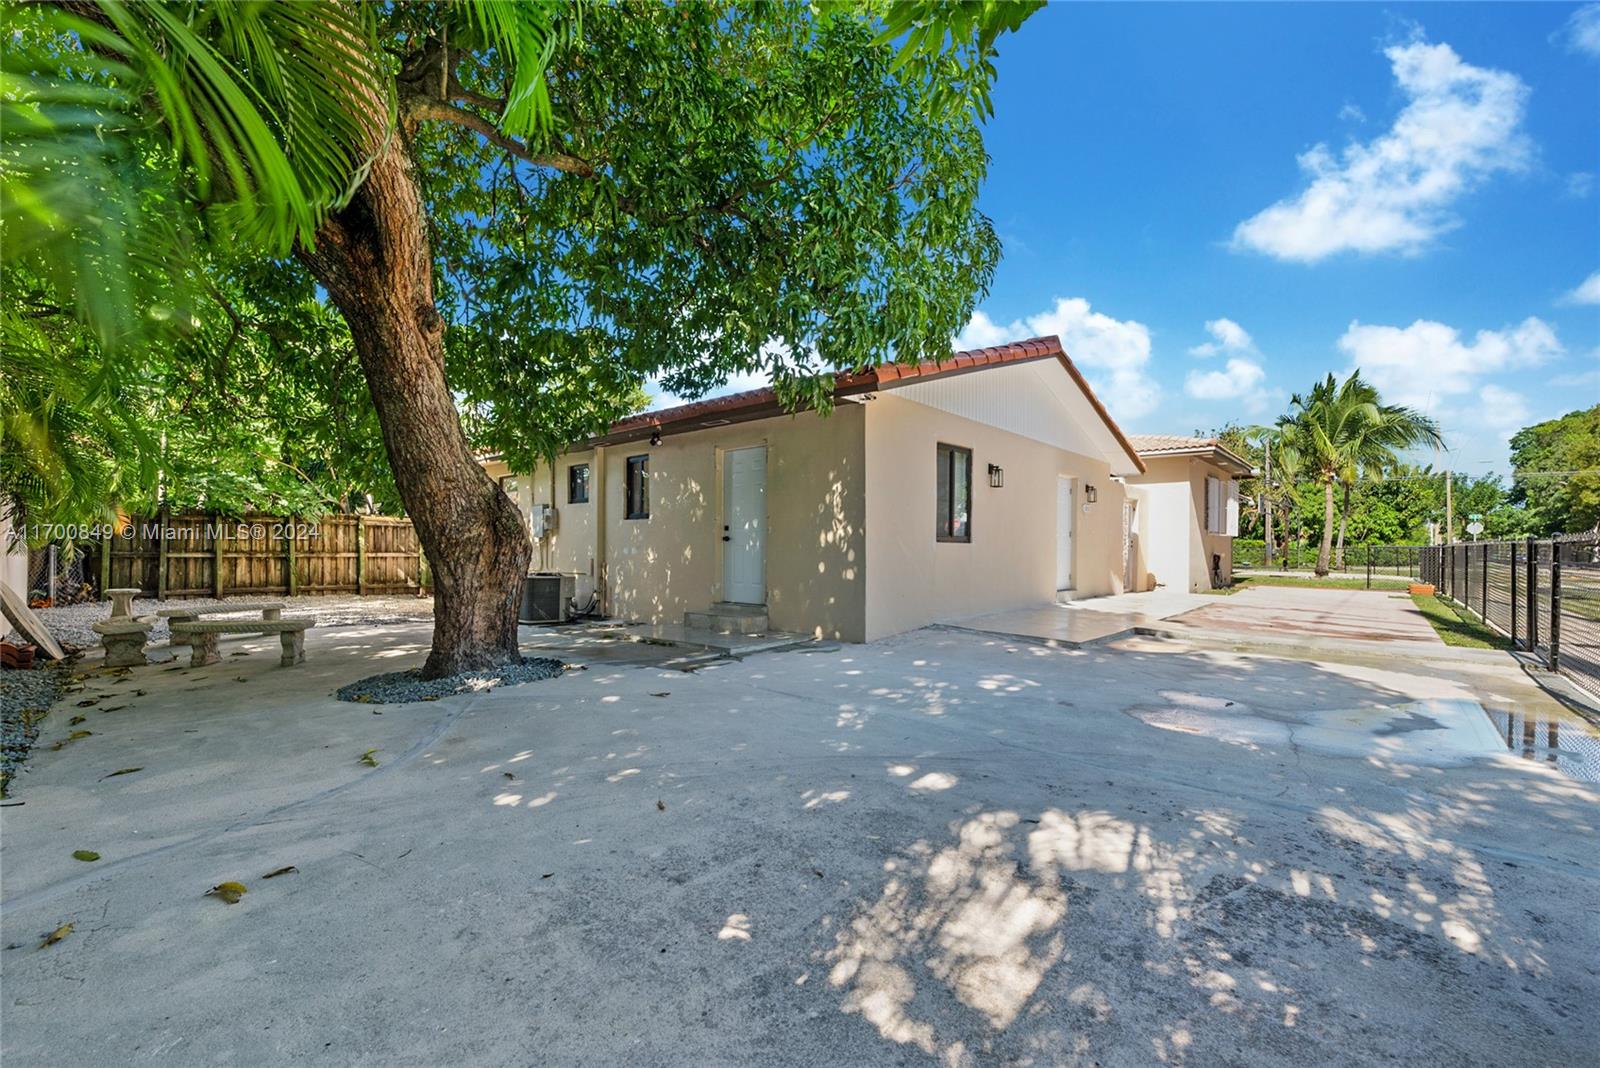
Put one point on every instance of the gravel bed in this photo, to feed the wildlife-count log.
(399, 687)
(25, 697)
(71, 624)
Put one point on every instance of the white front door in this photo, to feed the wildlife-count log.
(744, 530)
(1064, 517)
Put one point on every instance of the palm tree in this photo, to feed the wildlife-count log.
(1340, 430)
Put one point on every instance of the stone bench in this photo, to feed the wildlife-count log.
(123, 639)
(201, 637)
(270, 610)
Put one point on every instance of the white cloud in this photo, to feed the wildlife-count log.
(1352, 113)
(1580, 184)
(1114, 354)
(1582, 31)
(1239, 380)
(1227, 336)
(1420, 364)
(1588, 291)
(1394, 193)
(1501, 409)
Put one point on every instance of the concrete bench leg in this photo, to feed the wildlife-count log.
(179, 639)
(203, 649)
(294, 647)
(124, 650)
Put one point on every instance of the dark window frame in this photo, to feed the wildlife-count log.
(572, 484)
(636, 495)
(945, 458)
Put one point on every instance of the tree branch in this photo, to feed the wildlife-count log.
(417, 110)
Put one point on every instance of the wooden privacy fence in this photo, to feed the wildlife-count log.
(204, 555)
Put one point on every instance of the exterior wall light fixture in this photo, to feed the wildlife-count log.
(1090, 494)
(655, 437)
(997, 476)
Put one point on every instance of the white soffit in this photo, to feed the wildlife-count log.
(1037, 400)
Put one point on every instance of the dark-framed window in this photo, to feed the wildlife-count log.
(955, 493)
(578, 484)
(638, 489)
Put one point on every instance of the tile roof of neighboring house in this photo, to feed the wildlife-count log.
(759, 403)
(1178, 445)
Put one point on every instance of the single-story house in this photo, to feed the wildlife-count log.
(985, 481)
(1185, 512)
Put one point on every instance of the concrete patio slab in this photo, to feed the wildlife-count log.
(1073, 624)
(942, 849)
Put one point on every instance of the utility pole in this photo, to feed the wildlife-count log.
(1449, 509)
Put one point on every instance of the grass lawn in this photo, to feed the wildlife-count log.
(1458, 628)
(1332, 582)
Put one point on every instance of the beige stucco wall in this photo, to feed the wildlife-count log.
(914, 579)
(1172, 502)
(13, 562)
(658, 568)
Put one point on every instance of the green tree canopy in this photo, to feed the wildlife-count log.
(1556, 472)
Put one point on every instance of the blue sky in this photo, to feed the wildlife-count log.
(1215, 205)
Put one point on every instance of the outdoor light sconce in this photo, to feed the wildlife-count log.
(1090, 494)
(997, 476)
(655, 437)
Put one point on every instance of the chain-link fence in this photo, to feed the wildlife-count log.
(1543, 595)
(63, 573)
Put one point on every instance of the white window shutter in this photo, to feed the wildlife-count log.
(1233, 509)
(1211, 505)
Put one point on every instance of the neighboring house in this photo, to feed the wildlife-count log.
(932, 492)
(1185, 510)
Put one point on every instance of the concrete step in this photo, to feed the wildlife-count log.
(726, 618)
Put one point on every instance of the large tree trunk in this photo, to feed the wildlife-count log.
(373, 259)
(1344, 517)
(1327, 528)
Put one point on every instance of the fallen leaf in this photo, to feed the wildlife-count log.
(280, 871)
(75, 735)
(85, 855)
(663, 693)
(431, 697)
(368, 759)
(364, 698)
(120, 771)
(75, 720)
(229, 892)
(57, 935)
(139, 693)
(547, 875)
(114, 708)
(661, 805)
(240, 678)
(508, 775)
(90, 703)
(817, 872)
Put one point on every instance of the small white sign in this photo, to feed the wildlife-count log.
(1474, 529)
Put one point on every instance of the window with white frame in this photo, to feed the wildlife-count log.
(1222, 506)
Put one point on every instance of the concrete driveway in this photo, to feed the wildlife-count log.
(1349, 615)
(942, 849)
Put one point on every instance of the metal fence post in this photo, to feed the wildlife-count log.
(1513, 594)
(1555, 606)
(1533, 595)
(1369, 567)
